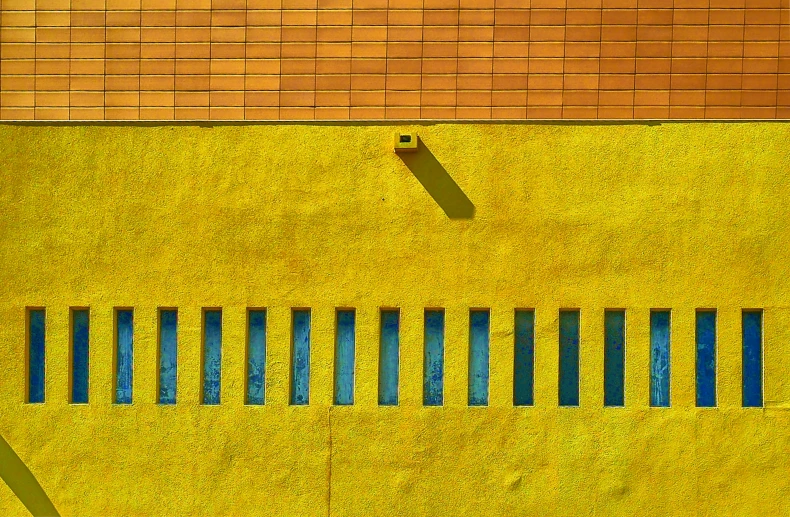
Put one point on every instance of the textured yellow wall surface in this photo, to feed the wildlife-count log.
(589, 216)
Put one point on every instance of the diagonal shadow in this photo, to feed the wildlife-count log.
(439, 184)
(22, 483)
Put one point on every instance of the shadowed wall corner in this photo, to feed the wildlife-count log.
(438, 182)
(23, 483)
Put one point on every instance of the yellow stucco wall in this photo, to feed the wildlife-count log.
(635, 216)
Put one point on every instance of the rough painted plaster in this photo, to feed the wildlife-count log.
(679, 216)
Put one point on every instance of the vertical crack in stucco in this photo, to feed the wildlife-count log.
(329, 467)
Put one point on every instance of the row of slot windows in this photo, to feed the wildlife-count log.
(389, 357)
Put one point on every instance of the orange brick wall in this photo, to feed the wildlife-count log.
(376, 59)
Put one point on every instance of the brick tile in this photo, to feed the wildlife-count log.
(583, 17)
(439, 82)
(730, 65)
(156, 113)
(47, 113)
(367, 112)
(333, 98)
(688, 65)
(758, 112)
(726, 17)
(121, 113)
(192, 113)
(336, 82)
(580, 97)
(579, 112)
(617, 82)
(688, 82)
(543, 112)
(765, 98)
(718, 112)
(297, 113)
(544, 98)
(17, 99)
(615, 98)
(580, 82)
(651, 112)
(86, 113)
(262, 99)
(403, 113)
(332, 113)
(226, 98)
(21, 67)
(686, 112)
(473, 112)
(86, 99)
(50, 99)
(438, 98)
(17, 113)
(261, 113)
(402, 98)
(12, 51)
(618, 65)
(434, 112)
(510, 82)
(722, 98)
(367, 98)
(509, 98)
(18, 83)
(157, 99)
(226, 113)
(614, 112)
(508, 113)
(687, 98)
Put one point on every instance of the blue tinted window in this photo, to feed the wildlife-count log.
(614, 358)
(256, 357)
(752, 358)
(479, 323)
(124, 356)
(168, 355)
(344, 358)
(433, 382)
(389, 355)
(36, 337)
(300, 358)
(569, 358)
(212, 356)
(659, 358)
(706, 358)
(524, 358)
(80, 328)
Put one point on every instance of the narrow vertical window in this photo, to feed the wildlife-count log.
(614, 358)
(706, 358)
(389, 357)
(256, 356)
(752, 358)
(344, 357)
(80, 332)
(433, 380)
(479, 325)
(300, 358)
(524, 358)
(569, 358)
(124, 355)
(212, 356)
(168, 355)
(659, 358)
(36, 333)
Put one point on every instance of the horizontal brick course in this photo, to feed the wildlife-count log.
(325, 59)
